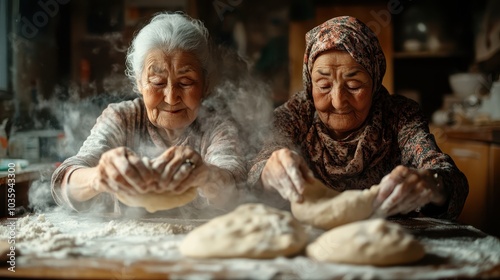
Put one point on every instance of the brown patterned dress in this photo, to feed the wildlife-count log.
(394, 133)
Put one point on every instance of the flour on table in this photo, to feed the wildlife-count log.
(60, 236)
(462, 254)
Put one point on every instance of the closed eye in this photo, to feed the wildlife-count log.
(323, 85)
(159, 85)
(186, 82)
(354, 86)
(157, 82)
(185, 85)
(324, 88)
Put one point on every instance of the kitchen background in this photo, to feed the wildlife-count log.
(62, 62)
(63, 49)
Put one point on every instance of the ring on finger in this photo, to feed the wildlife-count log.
(190, 163)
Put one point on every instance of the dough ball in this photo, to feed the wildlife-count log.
(326, 208)
(153, 201)
(371, 242)
(250, 231)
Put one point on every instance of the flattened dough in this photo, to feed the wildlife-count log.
(371, 242)
(250, 231)
(326, 208)
(153, 202)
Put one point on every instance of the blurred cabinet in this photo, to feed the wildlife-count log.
(480, 162)
(472, 159)
(494, 191)
(432, 40)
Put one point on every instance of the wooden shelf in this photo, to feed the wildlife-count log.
(31, 172)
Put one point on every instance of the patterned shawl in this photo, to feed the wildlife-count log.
(395, 131)
(367, 146)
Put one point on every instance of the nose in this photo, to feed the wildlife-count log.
(338, 97)
(170, 94)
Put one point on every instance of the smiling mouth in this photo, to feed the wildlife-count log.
(173, 111)
(342, 113)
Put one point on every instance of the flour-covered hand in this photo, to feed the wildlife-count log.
(121, 170)
(286, 172)
(175, 166)
(408, 189)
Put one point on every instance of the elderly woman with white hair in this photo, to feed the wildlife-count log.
(164, 140)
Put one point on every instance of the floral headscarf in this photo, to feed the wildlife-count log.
(365, 148)
(345, 34)
(388, 138)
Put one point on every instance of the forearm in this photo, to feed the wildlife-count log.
(220, 188)
(77, 185)
(254, 179)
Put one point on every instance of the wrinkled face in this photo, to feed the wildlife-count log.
(172, 86)
(342, 92)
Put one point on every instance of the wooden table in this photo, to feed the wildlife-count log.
(453, 251)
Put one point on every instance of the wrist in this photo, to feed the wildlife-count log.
(439, 195)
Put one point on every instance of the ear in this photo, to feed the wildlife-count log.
(139, 85)
(206, 86)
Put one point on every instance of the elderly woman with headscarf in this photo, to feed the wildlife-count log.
(348, 131)
(164, 140)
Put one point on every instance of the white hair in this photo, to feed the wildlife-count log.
(168, 32)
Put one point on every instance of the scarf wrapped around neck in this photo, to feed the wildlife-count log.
(340, 162)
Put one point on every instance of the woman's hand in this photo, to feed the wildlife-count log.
(286, 171)
(182, 167)
(175, 166)
(121, 170)
(407, 189)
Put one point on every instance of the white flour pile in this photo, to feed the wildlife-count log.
(452, 251)
(61, 235)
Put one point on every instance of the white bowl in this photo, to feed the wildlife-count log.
(466, 84)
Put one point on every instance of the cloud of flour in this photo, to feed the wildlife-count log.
(238, 95)
(243, 97)
(76, 115)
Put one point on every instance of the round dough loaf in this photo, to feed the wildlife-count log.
(371, 242)
(326, 208)
(250, 231)
(153, 202)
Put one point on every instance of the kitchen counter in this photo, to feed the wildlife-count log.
(102, 250)
(28, 173)
(483, 133)
(476, 152)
